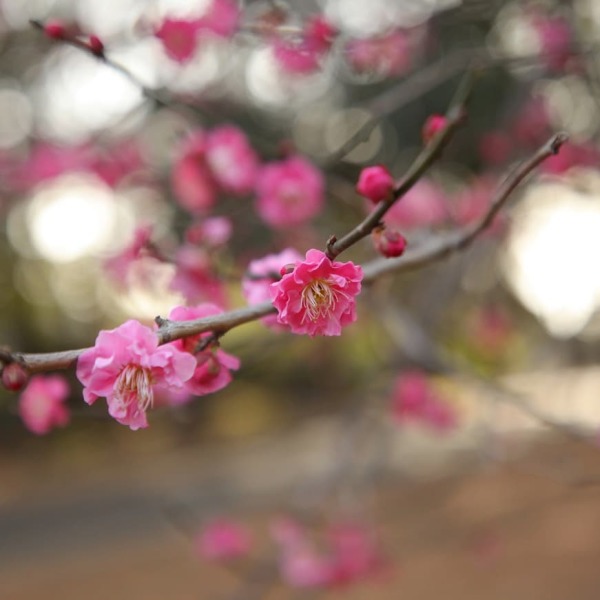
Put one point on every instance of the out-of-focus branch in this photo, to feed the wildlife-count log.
(454, 117)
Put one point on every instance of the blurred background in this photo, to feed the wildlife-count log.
(493, 491)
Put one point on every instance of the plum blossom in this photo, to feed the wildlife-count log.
(232, 161)
(290, 192)
(261, 273)
(179, 38)
(318, 297)
(432, 126)
(221, 18)
(193, 184)
(223, 539)
(127, 366)
(211, 232)
(414, 399)
(388, 242)
(375, 183)
(387, 55)
(213, 365)
(42, 403)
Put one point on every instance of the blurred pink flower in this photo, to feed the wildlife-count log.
(223, 539)
(179, 38)
(555, 38)
(572, 155)
(318, 297)
(221, 19)
(232, 161)
(414, 399)
(193, 184)
(42, 403)
(304, 53)
(495, 147)
(213, 365)
(424, 205)
(211, 232)
(433, 124)
(195, 278)
(531, 124)
(261, 273)
(119, 265)
(126, 366)
(387, 56)
(290, 192)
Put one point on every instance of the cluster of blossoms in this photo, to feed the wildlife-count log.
(414, 399)
(129, 368)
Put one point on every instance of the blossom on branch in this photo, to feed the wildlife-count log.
(318, 297)
(42, 403)
(127, 366)
(375, 183)
(223, 539)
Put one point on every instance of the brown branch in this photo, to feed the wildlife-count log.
(454, 117)
(421, 256)
(444, 246)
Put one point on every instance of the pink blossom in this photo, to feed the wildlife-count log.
(179, 38)
(194, 276)
(422, 206)
(388, 242)
(119, 265)
(193, 184)
(572, 155)
(433, 125)
(555, 36)
(290, 192)
(318, 297)
(223, 540)
(42, 403)
(375, 183)
(127, 366)
(414, 399)
(221, 19)
(211, 232)
(388, 55)
(96, 45)
(213, 365)
(232, 161)
(55, 29)
(261, 273)
(304, 54)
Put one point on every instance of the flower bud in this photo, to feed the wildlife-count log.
(388, 242)
(375, 183)
(433, 125)
(14, 377)
(96, 45)
(55, 29)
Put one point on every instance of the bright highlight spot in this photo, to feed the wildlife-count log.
(552, 257)
(72, 218)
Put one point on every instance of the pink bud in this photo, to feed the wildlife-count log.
(55, 29)
(375, 183)
(14, 377)
(389, 242)
(96, 45)
(433, 125)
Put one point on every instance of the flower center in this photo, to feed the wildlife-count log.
(134, 386)
(318, 299)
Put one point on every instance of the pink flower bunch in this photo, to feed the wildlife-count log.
(289, 192)
(387, 56)
(414, 399)
(350, 554)
(223, 539)
(261, 273)
(220, 159)
(180, 37)
(305, 53)
(194, 276)
(127, 367)
(375, 183)
(211, 232)
(213, 365)
(42, 404)
(318, 296)
(424, 205)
